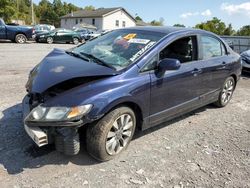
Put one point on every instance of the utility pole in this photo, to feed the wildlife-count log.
(17, 7)
(32, 13)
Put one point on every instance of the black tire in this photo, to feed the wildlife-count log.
(76, 40)
(221, 102)
(59, 143)
(20, 38)
(50, 40)
(97, 134)
(71, 145)
(67, 145)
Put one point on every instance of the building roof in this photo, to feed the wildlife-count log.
(141, 23)
(100, 12)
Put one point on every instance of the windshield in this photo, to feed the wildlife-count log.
(120, 48)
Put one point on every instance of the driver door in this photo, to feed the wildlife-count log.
(176, 91)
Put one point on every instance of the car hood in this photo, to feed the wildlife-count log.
(58, 67)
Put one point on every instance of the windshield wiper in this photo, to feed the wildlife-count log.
(97, 60)
(76, 55)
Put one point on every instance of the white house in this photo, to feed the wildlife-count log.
(102, 18)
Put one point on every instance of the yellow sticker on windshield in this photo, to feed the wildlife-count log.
(130, 36)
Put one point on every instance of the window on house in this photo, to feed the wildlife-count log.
(81, 20)
(123, 24)
(65, 21)
(117, 23)
(93, 21)
(76, 21)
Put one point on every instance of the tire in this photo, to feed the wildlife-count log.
(107, 138)
(20, 38)
(68, 145)
(71, 145)
(59, 143)
(226, 93)
(75, 40)
(49, 40)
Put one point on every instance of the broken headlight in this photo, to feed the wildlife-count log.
(41, 113)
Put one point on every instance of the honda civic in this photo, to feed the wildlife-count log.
(131, 78)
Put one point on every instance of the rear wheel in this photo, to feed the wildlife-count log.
(112, 134)
(20, 38)
(226, 92)
(50, 40)
(75, 40)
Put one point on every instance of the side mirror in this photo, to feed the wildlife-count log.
(169, 64)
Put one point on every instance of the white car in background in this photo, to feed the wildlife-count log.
(245, 56)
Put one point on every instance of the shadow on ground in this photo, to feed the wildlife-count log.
(17, 150)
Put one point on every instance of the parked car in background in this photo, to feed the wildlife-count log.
(41, 28)
(59, 36)
(245, 56)
(84, 33)
(129, 78)
(15, 33)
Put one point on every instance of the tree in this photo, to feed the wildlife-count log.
(229, 30)
(244, 31)
(157, 23)
(7, 10)
(215, 25)
(138, 18)
(90, 7)
(179, 25)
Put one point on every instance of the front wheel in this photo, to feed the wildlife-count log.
(75, 40)
(226, 92)
(20, 38)
(112, 134)
(50, 40)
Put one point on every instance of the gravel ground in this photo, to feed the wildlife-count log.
(206, 148)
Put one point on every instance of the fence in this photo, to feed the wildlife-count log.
(238, 43)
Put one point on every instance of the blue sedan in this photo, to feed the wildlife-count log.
(130, 78)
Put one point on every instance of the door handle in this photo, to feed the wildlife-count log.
(196, 71)
(222, 66)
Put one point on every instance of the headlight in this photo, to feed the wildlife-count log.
(41, 113)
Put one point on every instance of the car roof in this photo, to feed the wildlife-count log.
(165, 29)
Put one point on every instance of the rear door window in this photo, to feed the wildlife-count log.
(211, 47)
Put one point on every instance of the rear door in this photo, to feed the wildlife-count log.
(215, 64)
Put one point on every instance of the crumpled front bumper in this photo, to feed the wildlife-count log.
(39, 136)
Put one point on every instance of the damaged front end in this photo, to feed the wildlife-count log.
(44, 123)
(49, 117)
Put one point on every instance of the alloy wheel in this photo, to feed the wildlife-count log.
(50, 40)
(119, 135)
(21, 39)
(227, 91)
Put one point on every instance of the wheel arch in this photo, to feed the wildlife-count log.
(131, 104)
(235, 78)
(19, 32)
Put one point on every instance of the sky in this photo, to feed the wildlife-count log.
(187, 12)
